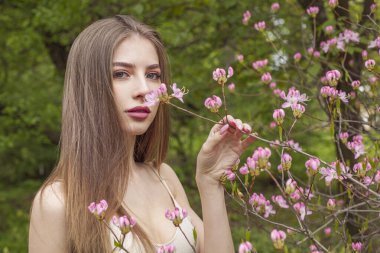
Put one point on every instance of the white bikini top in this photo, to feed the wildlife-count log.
(133, 244)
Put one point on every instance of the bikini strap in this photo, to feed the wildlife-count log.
(175, 203)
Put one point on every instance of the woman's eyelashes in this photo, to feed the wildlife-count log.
(122, 74)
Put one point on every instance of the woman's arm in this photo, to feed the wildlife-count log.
(220, 152)
(47, 222)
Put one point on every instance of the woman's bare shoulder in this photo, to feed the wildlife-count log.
(47, 220)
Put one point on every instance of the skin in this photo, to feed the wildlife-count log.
(224, 145)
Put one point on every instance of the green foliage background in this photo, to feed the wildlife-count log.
(200, 35)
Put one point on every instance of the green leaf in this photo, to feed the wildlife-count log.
(195, 234)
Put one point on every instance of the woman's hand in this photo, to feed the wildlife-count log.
(221, 150)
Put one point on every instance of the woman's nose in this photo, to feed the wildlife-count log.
(143, 87)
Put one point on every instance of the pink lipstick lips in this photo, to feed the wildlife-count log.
(139, 112)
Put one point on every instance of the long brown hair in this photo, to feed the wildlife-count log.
(95, 154)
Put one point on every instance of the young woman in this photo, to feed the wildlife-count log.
(113, 147)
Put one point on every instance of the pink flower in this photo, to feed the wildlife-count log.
(310, 51)
(370, 64)
(246, 17)
(275, 7)
(329, 29)
(260, 64)
(355, 84)
(124, 223)
(297, 57)
(278, 116)
(213, 103)
(272, 124)
(327, 231)
(240, 58)
(261, 156)
(278, 238)
(293, 97)
(280, 201)
(372, 80)
(329, 174)
(230, 175)
(177, 93)
(298, 110)
(312, 166)
(333, 3)
(356, 246)
(300, 208)
(290, 186)
(231, 87)
(364, 54)
(331, 204)
(377, 177)
(244, 170)
(260, 26)
(155, 96)
(245, 247)
(272, 85)
(176, 216)
(98, 209)
(316, 54)
(343, 96)
(373, 7)
(219, 75)
(313, 11)
(333, 77)
(261, 205)
(286, 161)
(374, 44)
(343, 136)
(266, 78)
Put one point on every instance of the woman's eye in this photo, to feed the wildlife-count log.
(154, 76)
(120, 74)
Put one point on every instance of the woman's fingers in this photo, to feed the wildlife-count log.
(247, 141)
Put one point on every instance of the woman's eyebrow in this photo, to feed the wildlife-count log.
(130, 65)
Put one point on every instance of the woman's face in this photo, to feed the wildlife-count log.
(135, 73)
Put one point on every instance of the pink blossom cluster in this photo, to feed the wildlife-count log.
(297, 57)
(260, 64)
(356, 146)
(278, 238)
(357, 246)
(339, 42)
(260, 158)
(176, 216)
(280, 201)
(314, 249)
(161, 95)
(220, 76)
(333, 76)
(294, 100)
(355, 84)
(313, 11)
(312, 52)
(98, 209)
(312, 166)
(278, 116)
(275, 7)
(266, 78)
(362, 168)
(333, 94)
(370, 64)
(301, 209)
(124, 223)
(333, 3)
(166, 249)
(375, 43)
(246, 17)
(261, 205)
(230, 175)
(260, 26)
(286, 162)
(245, 247)
(331, 204)
(330, 173)
(213, 103)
